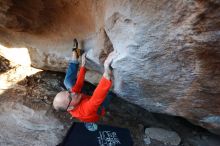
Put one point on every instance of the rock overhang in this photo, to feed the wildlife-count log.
(169, 53)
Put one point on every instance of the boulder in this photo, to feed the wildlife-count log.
(25, 126)
(168, 51)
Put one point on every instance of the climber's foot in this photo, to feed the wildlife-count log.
(75, 45)
(79, 52)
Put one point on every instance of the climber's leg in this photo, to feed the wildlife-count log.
(71, 73)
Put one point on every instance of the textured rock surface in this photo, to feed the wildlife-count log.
(46, 28)
(27, 118)
(168, 51)
(24, 126)
(162, 135)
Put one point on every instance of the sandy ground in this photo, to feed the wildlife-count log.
(28, 119)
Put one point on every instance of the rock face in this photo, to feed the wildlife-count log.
(19, 128)
(168, 51)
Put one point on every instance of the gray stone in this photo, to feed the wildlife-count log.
(147, 140)
(24, 126)
(162, 135)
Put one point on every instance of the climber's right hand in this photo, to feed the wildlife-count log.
(107, 66)
(83, 60)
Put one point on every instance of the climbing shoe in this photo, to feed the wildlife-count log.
(75, 45)
(79, 52)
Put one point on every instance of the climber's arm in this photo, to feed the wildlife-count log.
(98, 96)
(81, 77)
(101, 90)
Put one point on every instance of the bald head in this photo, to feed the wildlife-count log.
(61, 100)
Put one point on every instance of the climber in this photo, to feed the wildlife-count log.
(83, 107)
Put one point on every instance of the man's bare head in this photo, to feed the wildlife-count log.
(64, 100)
(61, 101)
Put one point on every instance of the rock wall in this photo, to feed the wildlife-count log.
(168, 51)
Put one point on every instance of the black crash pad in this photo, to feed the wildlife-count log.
(79, 135)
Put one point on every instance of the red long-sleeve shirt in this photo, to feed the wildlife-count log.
(86, 110)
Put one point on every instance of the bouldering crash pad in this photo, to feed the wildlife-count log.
(81, 134)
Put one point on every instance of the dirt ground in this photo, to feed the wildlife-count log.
(27, 117)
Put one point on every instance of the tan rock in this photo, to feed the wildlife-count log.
(168, 51)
